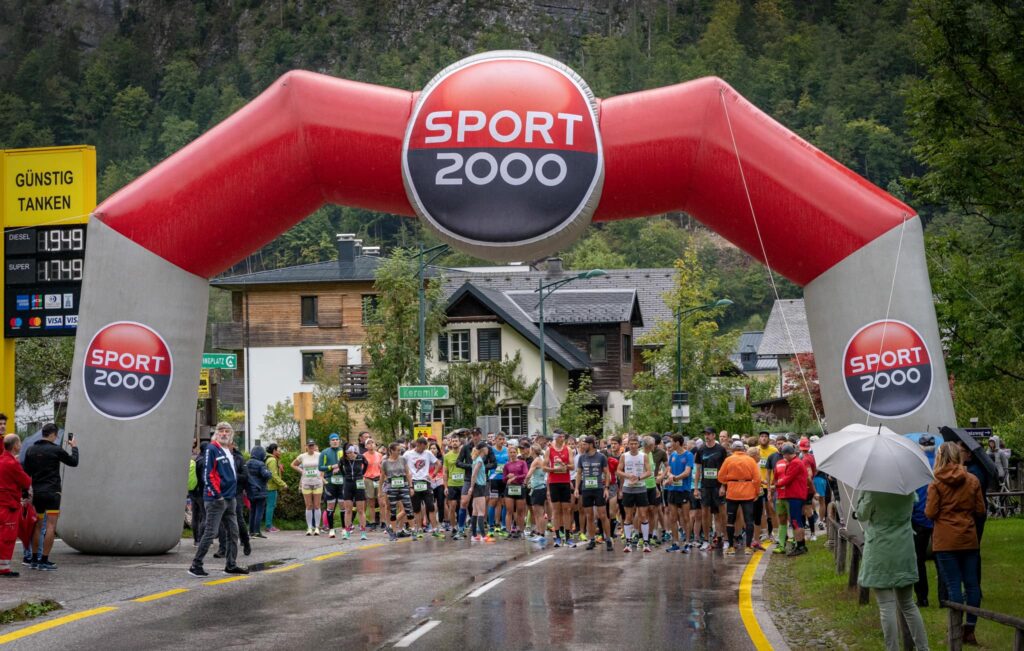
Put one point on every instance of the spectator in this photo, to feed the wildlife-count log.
(258, 477)
(241, 493)
(792, 484)
(196, 495)
(1001, 461)
(923, 527)
(889, 564)
(221, 484)
(275, 484)
(981, 473)
(42, 463)
(955, 501)
(14, 483)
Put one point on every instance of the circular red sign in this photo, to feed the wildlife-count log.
(888, 369)
(502, 156)
(127, 371)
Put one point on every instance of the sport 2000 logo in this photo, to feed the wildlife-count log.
(888, 369)
(127, 371)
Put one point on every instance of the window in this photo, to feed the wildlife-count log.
(458, 346)
(511, 420)
(446, 415)
(309, 317)
(627, 349)
(311, 362)
(370, 309)
(488, 344)
(625, 415)
(598, 348)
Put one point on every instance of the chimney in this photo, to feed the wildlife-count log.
(373, 251)
(554, 267)
(348, 247)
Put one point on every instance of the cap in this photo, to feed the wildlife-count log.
(738, 445)
(765, 432)
(334, 435)
(514, 443)
(353, 449)
(589, 440)
(788, 448)
(559, 433)
(709, 430)
(736, 437)
(310, 442)
(805, 445)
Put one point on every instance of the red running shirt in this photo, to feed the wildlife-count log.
(553, 457)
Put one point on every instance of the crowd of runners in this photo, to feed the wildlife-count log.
(633, 492)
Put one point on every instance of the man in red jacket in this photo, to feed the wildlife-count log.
(792, 484)
(13, 483)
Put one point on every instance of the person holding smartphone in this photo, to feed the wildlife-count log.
(42, 464)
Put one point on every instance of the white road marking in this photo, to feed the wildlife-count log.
(484, 588)
(418, 633)
(539, 560)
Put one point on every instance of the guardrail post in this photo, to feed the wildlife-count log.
(955, 631)
(854, 566)
(841, 544)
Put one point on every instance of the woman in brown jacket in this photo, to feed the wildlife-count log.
(954, 499)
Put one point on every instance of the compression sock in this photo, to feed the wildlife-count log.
(330, 519)
(309, 518)
(628, 530)
(615, 523)
(576, 520)
(561, 532)
(316, 515)
(462, 518)
(645, 530)
(782, 535)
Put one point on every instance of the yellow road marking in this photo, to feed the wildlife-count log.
(373, 545)
(285, 568)
(160, 595)
(747, 605)
(403, 540)
(330, 555)
(53, 623)
(230, 579)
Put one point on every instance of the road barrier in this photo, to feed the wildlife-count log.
(954, 633)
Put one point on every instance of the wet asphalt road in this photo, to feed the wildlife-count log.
(374, 595)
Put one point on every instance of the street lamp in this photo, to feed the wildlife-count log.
(680, 400)
(550, 288)
(438, 251)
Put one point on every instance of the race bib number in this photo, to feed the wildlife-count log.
(458, 475)
(678, 482)
(310, 473)
(398, 482)
(500, 469)
(360, 484)
(590, 482)
(711, 473)
(763, 463)
(335, 479)
(514, 490)
(420, 486)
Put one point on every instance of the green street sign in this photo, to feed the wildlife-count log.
(427, 406)
(423, 392)
(227, 361)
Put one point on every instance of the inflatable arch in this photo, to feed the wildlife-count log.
(506, 155)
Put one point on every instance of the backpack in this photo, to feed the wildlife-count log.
(193, 478)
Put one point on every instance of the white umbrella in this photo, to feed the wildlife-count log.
(873, 459)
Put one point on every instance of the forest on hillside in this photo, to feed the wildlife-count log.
(919, 96)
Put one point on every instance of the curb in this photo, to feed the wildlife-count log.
(764, 618)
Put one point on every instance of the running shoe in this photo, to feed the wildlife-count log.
(457, 536)
(362, 535)
(797, 551)
(45, 566)
(438, 534)
(9, 574)
(628, 549)
(757, 546)
(666, 536)
(583, 537)
(730, 551)
(309, 531)
(316, 531)
(591, 545)
(477, 539)
(246, 548)
(705, 546)
(569, 543)
(539, 540)
(344, 534)
(392, 536)
(197, 571)
(234, 569)
(747, 551)
(27, 560)
(489, 539)
(686, 549)
(273, 530)
(333, 534)
(814, 537)
(647, 548)
(599, 538)
(674, 548)
(558, 542)
(780, 549)
(608, 546)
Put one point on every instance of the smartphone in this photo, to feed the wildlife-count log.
(71, 436)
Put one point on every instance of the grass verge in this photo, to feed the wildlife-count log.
(813, 608)
(28, 610)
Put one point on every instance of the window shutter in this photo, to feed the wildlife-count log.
(442, 347)
(488, 344)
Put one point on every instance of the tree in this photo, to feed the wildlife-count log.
(392, 340)
(479, 388)
(575, 415)
(42, 370)
(803, 392)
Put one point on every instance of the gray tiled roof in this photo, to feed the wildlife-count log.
(776, 340)
(556, 346)
(650, 285)
(749, 342)
(581, 305)
(363, 267)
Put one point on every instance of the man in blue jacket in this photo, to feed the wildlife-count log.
(220, 476)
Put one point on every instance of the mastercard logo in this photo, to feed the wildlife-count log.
(503, 151)
(35, 322)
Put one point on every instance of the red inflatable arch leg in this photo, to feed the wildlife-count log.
(311, 139)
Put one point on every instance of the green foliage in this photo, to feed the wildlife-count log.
(28, 610)
(392, 340)
(42, 370)
(279, 423)
(576, 415)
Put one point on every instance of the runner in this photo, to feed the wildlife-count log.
(421, 461)
(496, 497)
(793, 488)
(766, 451)
(613, 508)
(592, 479)
(353, 491)
(374, 492)
(740, 481)
(678, 482)
(709, 460)
(810, 516)
(659, 457)
(311, 484)
(777, 464)
(759, 501)
(537, 480)
(559, 462)
(634, 469)
(455, 478)
(437, 486)
(515, 492)
(396, 478)
(478, 481)
(465, 462)
(329, 460)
